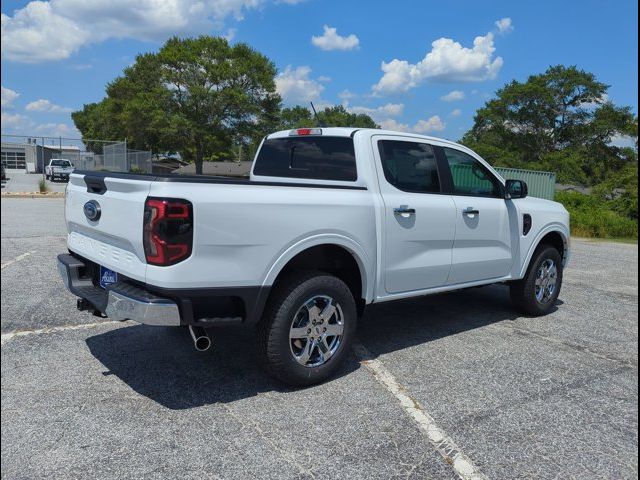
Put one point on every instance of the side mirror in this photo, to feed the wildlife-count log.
(516, 189)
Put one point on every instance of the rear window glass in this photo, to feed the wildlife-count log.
(409, 166)
(60, 163)
(320, 158)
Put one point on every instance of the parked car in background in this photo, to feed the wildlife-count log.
(58, 168)
(331, 220)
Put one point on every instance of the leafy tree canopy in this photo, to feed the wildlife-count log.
(196, 95)
(561, 121)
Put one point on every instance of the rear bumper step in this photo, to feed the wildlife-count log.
(119, 301)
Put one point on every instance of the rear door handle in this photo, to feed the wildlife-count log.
(470, 211)
(404, 210)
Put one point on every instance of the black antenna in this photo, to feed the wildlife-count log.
(320, 124)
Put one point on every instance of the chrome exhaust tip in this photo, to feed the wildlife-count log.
(201, 339)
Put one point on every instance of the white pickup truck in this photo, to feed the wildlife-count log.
(331, 220)
(58, 168)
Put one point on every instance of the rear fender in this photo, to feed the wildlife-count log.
(365, 265)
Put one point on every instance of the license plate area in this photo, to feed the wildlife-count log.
(107, 277)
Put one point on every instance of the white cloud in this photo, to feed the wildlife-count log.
(13, 121)
(391, 124)
(231, 34)
(44, 105)
(330, 40)
(604, 98)
(55, 29)
(432, 124)
(381, 112)
(57, 130)
(453, 96)
(623, 141)
(456, 113)
(36, 33)
(8, 97)
(447, 61)
(295, 85)
(346, 95)
(504, 25)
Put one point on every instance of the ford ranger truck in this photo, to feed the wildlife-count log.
(330, 221)
(58, 168)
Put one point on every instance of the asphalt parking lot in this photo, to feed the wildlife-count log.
(551, 397)
(19, 182)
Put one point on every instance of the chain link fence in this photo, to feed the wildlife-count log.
(33, 153)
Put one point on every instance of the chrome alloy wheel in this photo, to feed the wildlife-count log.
(316, 331)
(546, 279)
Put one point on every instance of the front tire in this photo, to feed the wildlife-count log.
(536, 294)
(308, 328)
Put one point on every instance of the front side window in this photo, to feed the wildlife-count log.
(409, 166)
(313, 157)
(470, 177)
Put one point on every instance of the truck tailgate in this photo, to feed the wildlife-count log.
(113, 240)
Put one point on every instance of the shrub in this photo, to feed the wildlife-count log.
(42, 185)
(592, 216)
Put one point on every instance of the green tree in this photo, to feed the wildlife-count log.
(199, 96)
(559, 120)
(338, 116)
(335, 116)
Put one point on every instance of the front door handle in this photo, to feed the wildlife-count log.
(402, 210)
(470, 211)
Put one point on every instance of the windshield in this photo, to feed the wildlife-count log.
(60, 163)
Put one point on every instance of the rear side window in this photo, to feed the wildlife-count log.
(409, 166)
(313, 157)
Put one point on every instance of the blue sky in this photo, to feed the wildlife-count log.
(412, 65)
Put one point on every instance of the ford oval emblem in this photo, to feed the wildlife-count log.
(92, 210)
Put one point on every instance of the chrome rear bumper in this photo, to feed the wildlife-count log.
(120, 301)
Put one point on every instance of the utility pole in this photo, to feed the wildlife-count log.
(42, 156)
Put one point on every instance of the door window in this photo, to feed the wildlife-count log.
(470, 177)
(409, 166)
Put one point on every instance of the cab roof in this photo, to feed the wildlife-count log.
(350, 131)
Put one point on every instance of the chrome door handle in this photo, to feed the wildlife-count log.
(404, 211)
(470, 211)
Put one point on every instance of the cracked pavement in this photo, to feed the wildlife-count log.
(550, 397)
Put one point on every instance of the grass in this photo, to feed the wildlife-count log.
(594, 217)
(42, 185)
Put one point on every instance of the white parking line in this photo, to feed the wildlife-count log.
(23, 333)
(17, 259)
(461, 463)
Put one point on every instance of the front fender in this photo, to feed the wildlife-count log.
(562, 229)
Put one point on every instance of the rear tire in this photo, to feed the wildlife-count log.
(537, 292)
(295, 334)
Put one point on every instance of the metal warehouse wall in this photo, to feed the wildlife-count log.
(541, 184)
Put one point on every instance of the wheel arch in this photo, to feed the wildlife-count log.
(335, 254)
(555, 235)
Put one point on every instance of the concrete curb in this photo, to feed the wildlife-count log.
(32, 195)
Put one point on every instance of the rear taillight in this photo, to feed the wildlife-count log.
(168, 230)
